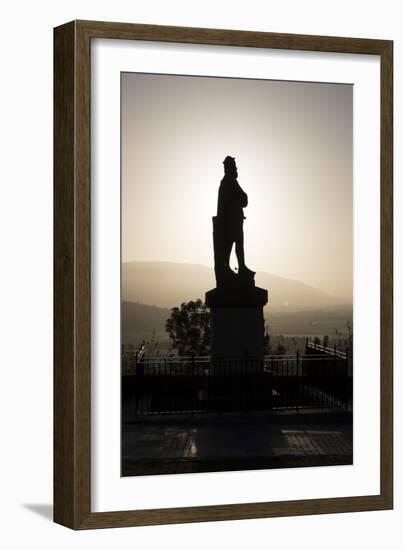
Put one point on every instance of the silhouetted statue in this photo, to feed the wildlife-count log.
(236, 304)
(228, 229)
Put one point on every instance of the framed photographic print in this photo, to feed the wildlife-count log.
(222, 274)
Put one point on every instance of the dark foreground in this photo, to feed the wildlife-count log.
(251, 441)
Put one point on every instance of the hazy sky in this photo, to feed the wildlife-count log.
(293, 147)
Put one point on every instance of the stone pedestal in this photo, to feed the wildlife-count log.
(237, 327)
(237, 379)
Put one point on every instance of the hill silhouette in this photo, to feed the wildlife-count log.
(168, 284)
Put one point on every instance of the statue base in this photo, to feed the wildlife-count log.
(237, 328)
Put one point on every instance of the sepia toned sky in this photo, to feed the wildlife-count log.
(293, 147)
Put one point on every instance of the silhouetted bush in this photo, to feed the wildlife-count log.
(188, 328)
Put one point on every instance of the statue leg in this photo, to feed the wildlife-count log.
(240, 254)
(227, 253)
(239, 248)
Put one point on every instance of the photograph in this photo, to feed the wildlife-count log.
(236, 274)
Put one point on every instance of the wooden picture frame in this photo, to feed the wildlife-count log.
(72, 270)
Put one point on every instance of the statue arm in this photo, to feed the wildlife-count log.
(244, 200)
(243, 197)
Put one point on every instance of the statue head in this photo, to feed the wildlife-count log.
(230, 166)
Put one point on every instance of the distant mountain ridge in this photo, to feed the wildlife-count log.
(168, 284)
(140, 317)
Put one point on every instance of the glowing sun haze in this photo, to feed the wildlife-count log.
(293, 146)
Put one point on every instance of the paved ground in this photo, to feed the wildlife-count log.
(236, 442)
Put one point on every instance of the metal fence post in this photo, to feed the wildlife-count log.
(346, 385)
(192, 385)
(298, 381)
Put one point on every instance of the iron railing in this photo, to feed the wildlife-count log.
(163, 385)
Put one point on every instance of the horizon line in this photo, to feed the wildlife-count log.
(337, 296)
